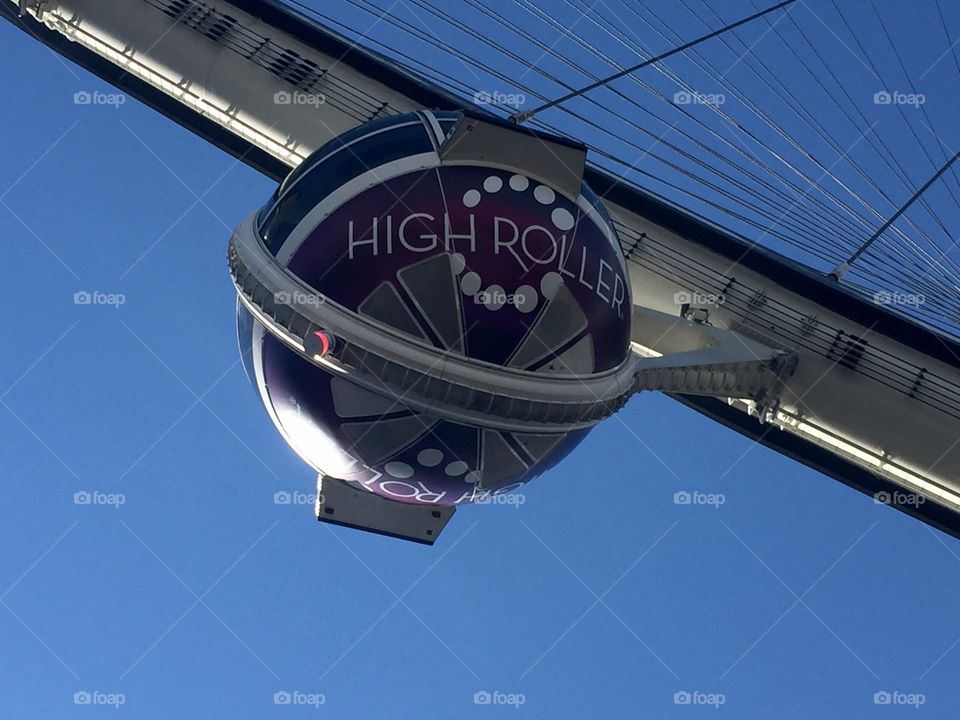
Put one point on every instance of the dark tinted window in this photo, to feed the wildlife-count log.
(325, 177)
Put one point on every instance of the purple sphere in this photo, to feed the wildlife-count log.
(481, 262)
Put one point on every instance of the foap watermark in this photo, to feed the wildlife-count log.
(297, 697)
(885, 297)
(697, 697)
(95, 697)
(895, 97)
(485, 697)
(698, 297)
(498, 298)
(898, 497)
(95, 97)
(95, 497)
(495, 97)
(695, 497)
(298, 297)
(299, 98)
(515, 499)
(692, 97)
(295, 497)
(95, 297)
(895, 697)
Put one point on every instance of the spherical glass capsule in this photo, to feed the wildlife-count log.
(477, 261)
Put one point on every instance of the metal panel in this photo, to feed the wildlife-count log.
(341, 503)
(556, 161)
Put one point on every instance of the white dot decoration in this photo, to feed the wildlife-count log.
(470, 283)
(519, 183)
(562, 218)
(493, 184)
(457, 467)
(472, 477)
(399, 470)
(431, 457)
(544, 195)
(525, 299)
(458, 263)
(549, 284)
(471, 198)
(494, 297)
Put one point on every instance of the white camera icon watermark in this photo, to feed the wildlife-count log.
(296, 697)
(885, 297)
(299, 98)
(95, 697)
(95, 297)
(515, 499)
(95, 97)
(692, 97)
(886, 97)
(295, 497)
(86, 497)
(895, 697)
(898, 497)
(499, 298)
(698, 297)
(298, 297)
(696, 697)
(495, 97)
(485, 697)
(695, 497)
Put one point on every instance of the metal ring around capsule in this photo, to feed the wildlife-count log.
(446, 384)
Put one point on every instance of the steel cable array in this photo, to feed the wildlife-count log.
(764, 163)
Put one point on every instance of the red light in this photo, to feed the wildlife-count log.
(324, 341)
(318, 344)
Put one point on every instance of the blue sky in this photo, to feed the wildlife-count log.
(198, 596)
